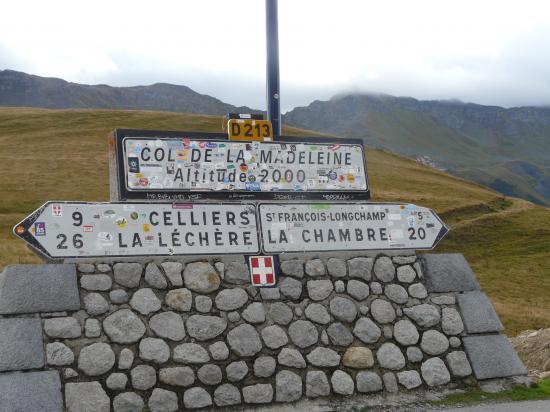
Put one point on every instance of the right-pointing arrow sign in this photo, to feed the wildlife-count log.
(309, 227)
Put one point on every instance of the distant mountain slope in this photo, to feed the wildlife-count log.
(21, 89)
(506, 149)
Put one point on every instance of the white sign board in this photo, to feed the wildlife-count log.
(305, 227)
(73, 229)
(207, 165)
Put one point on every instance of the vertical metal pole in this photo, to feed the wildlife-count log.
(272, 74)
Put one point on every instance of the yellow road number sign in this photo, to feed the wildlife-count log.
(250, 129)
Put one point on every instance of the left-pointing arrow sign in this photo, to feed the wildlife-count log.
(80, 229)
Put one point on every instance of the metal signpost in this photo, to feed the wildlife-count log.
(79, 229)
(314, 227)
(272, 65)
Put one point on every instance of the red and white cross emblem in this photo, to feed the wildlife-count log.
(57, 210)
(262, 271)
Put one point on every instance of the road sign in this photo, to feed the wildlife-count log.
(263, 272)
(308, 227)
(250, 129)
(79, 229)
(181, 168)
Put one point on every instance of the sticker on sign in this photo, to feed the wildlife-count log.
(79, 229)
(308, 227)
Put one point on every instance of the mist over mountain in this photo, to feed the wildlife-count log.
(506, 149)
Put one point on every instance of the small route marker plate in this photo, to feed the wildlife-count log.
(80, 229)
(250, 129)
(309, 227)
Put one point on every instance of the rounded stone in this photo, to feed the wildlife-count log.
(154, 277)
(179, 299)
(387, 331)
(366, 330)
(59, 354)
(337, 268)
(293, 267)
(382, 311)
(244, 340)
(210, 374)
(128, 402)
(96, 359)
(303, 333)
(168, 325)
(233, 317)
(414, 354)
(317, 313)
(424, 315)
(227, 395)
(291, 288)
(342, 383)
(92, 328)
(118, 296)
(177, 376)
(390, 382)
(315, 268)
(319, 289)
(396, 293)
(291, 358)
(458, 363)
(360, 267)
(435, 372)
(195, 398)
(368, 382)
(434, 342)
(443, 300)
(85, 267)
(103, 267)
(405, 332)
(454, 342)
(128, 274)
(96, 282)
(204, 327)
(117, 381)
(288, 386)
(145, 301)
(236, 371)
(254, 313)
(389, 356)
(358, 357)
(409, 379)
(95, 304)
(358, 290)
(203, 304)
(125, 359)
(406, 274)
(343, 309)
(231, 299)
(280, 313)
(154, 350)
(65, 327)
(451, 322)
(339, 286)
(384, 269)
(317, 384)
(162, 400)
(323, 357)
(219, 350)
(264, 366)
(376, 288)
(274, 337)
(123, 326)
(339, 334)
(173, 272)
(418, 291)
(190, 353)
(260, 393)
(201, 277)
(298, 311)
(324, 337)
(143, 377)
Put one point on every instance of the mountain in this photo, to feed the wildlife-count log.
(506, 149)
(62, 155)
(21, 89)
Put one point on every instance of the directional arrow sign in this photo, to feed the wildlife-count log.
(79, 229)
(309, 227)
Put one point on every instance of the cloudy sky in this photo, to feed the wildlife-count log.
(488, 52)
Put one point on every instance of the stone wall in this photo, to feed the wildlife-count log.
(191, 334)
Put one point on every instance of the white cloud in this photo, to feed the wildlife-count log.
(492, 52)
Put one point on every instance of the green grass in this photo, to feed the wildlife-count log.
(62, 155)
(519, 393)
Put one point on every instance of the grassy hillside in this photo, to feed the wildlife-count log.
(62, 155)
